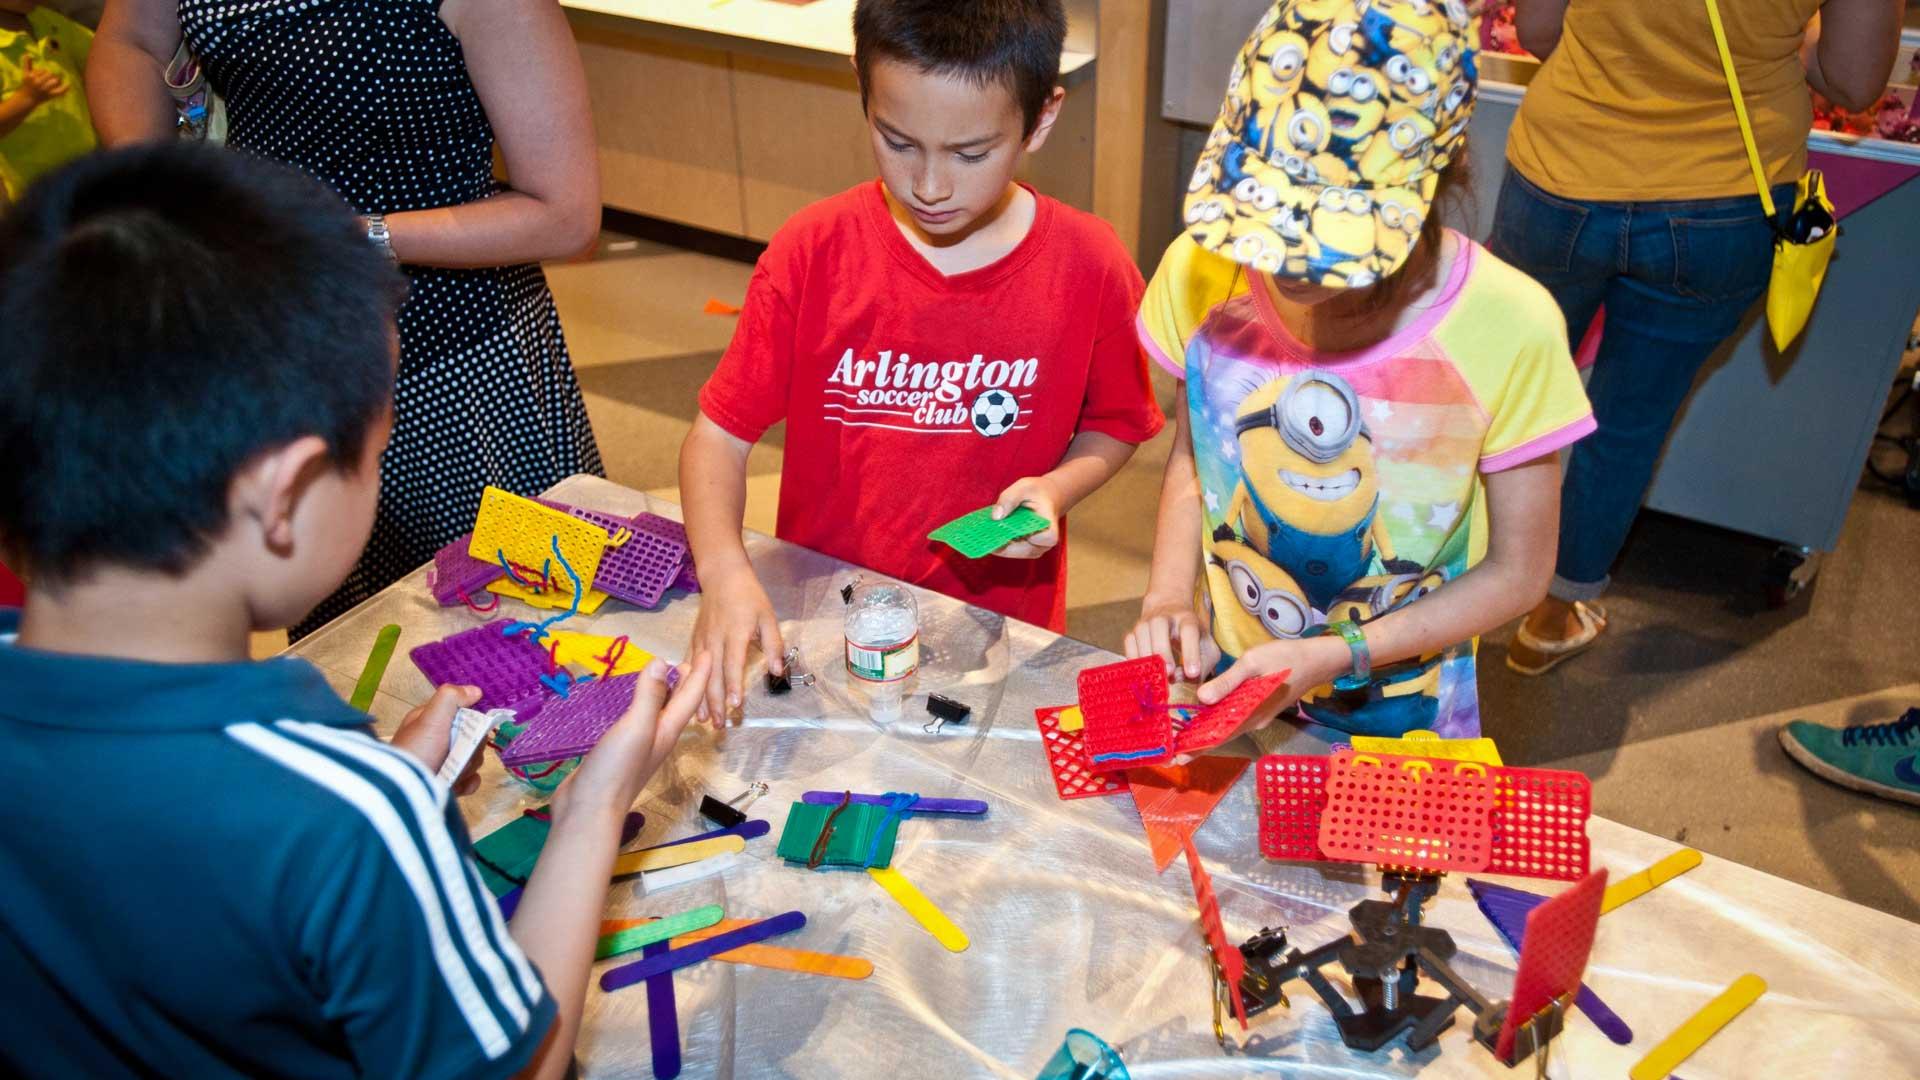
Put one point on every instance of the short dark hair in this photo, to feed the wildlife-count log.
(170, 313)
(1016, 43)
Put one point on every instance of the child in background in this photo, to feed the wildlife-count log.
(215, 869)
(938, 340)
(44, 122)
(1364, 478)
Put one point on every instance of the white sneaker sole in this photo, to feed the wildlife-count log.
(1842, 777)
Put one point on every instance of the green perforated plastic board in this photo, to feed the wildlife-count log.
(977, 534)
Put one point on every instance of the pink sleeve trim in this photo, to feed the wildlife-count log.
(1178, 371)
(1540, 447)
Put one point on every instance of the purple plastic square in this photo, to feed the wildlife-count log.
(669, 529)
(641, 570)
(506, 669)
(454, 571)
(570, 726)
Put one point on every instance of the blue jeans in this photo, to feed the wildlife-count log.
(1676, 278)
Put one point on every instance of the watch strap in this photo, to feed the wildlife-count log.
(1356, 640)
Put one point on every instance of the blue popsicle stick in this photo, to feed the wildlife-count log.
(686, 956)
(924, 806)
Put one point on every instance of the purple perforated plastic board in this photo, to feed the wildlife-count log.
(570, 726)
(640, 570)
(669, 529)
(506, 669)
(454, 572)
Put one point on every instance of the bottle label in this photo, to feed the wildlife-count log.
(883, 663)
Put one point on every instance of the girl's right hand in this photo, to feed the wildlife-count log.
(612, 775)
(1175, 632)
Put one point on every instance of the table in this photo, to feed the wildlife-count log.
(1070, 926)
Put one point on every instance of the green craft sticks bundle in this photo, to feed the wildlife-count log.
(851, 839)
(977, 534)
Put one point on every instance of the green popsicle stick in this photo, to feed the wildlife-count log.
(636, 938)
(977, 534)
(376, 668)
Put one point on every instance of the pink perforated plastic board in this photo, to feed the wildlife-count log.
(1412, 813)
(1220, 721)
(454, 572)
(1558, 940)
(643, 568)
(1073, 777)
(571, 725)
(1293, 794)
(1125, 706)
(1540, 823)
(506, 669)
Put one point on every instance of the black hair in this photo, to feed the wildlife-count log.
(1015, 43)
(170, 313)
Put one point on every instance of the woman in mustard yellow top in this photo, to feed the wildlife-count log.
(1628, 185)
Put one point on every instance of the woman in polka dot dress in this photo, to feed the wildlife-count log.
(398, 105)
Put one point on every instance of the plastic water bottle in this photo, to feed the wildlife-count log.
(883, 645)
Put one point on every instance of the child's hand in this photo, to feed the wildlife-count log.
(39, 85)
(1172, 630)
(1314, 661)
(612, 774)
(734, 612)
(427, 733)
(1036, 493)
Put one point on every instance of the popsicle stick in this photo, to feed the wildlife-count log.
(376, 669)
(677, 855)
(931, 918)
(675, 959)
(633, 938)
(1698, 1028)
(663, 1019)
(781, 958)
(1634, 886)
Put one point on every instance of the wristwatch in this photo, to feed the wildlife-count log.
(380, 236)
(1362, 672)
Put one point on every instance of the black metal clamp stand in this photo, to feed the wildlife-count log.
(1384, 957)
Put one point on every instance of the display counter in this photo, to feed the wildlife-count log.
(729, 115)
(1070, 925)
(1770, 444)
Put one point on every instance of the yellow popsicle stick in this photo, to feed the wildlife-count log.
(931, 918)
(1637, 885)
(1427, 744)
(1071, 718)
(556, 599)
(1701, 1026)
(781, 958)
(585, 650)
(677, 855)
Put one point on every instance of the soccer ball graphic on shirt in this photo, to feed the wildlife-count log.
(995, 412)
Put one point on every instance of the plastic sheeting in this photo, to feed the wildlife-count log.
(1070, 925)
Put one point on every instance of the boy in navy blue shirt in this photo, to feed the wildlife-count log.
(214, 869)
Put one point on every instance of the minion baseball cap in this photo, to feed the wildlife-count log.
(1339, 118)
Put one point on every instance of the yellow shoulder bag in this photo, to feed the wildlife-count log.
(1803, 244)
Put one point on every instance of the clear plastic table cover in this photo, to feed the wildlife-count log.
(1070, 926)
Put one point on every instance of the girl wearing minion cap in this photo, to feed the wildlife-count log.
(1364, 478)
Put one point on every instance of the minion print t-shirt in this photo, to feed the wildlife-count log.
(1345, 486)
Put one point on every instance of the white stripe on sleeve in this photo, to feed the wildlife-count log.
(379, 811)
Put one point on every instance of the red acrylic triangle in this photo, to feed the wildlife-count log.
(1174, 800)
(1232, 965)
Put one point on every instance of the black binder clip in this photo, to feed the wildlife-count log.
(945, 711)
(783, 682)
(731, 813)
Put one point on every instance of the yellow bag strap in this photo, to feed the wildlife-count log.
(1740, 110)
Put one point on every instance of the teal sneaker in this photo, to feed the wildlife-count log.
(1879, 759)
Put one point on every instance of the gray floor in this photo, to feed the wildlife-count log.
(1674, 718)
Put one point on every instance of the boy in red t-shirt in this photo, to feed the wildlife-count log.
(937, 341)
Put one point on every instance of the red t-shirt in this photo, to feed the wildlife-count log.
(912, 397)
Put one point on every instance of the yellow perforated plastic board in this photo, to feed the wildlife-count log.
(525, 531)
(586, 651)
(1427, 744)
(559, 599)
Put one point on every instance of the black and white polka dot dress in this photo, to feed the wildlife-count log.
(372, 96)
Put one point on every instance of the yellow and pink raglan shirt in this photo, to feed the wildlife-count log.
(1346, 485)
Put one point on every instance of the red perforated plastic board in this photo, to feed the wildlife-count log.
(1293, 794)
(1232, 964)
(1414, 813)
(1559, 937)
(507, 669)
(1073, 778)
(1125, 706)
(1220, 721)
(1540, 823)
(571, 725)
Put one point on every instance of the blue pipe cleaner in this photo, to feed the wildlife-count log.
(539, 629)
(899, 805)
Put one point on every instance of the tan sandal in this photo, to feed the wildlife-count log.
(1544, 655)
